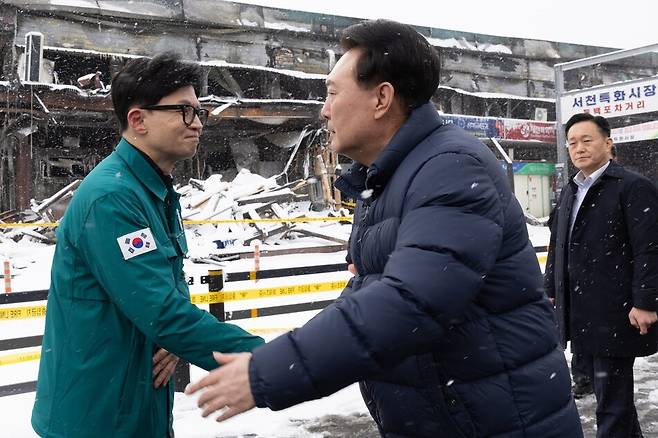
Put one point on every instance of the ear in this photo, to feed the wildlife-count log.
(385, 94)
(608, 144)
(136, 121)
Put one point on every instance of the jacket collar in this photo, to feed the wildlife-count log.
(420, 123)
(144, 172)
(614, 170)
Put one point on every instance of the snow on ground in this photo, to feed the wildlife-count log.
(263, 422)
(188, 423)
(31, 263)
(342, 414)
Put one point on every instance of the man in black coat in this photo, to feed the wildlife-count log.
(445, 323)
(602, 270)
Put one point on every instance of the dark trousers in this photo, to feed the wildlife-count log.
(581, 368)
(616, 416)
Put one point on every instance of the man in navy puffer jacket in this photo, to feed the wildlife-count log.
(445, 323)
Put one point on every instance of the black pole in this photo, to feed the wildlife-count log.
(216, 284)
(215, 281)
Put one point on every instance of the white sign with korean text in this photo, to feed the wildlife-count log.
(614, 101)
(643, 131)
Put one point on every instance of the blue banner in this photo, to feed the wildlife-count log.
(478, 126)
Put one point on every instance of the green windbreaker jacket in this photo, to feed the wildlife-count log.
(117, 293)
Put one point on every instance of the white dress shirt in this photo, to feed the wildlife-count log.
(584, 183)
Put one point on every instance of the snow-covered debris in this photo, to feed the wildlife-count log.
(234, 214)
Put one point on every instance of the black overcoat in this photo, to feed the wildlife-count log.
(609, 266)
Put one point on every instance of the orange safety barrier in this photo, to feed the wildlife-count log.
(256, 260)
(7, 275)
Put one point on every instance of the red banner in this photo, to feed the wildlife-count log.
(529, 130)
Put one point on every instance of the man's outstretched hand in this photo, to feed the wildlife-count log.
(227, 388)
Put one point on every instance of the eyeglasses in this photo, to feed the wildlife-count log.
(187, 110)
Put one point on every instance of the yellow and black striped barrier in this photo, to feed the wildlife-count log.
(213, 298)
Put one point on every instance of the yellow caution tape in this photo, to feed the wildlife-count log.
(255, 221)
(269, 330)
(209, 221)
(28, 224)
(12, 313)
(22, 312)
(19, 357)
(266, 292)
(11, 359)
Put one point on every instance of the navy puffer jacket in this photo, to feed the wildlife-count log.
(446, 324)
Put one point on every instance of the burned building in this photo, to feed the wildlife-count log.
(264, 83)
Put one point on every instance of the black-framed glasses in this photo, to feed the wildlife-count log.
(188, 111)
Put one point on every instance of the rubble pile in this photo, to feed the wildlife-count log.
(38, 223)
(252, 208)
(227, 215)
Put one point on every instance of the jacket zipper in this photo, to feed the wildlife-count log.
(362, 227)
(169, 431)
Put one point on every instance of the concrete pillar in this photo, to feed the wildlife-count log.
(24, 185)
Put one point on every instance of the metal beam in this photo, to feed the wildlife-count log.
(508, 161)
(562, 165)
(604, 86)
(562, 156)
(607, 57)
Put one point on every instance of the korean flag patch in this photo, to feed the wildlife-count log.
(136, 243)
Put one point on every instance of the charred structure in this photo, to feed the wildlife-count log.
(264, 80)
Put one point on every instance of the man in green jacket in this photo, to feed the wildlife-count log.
(118, 301)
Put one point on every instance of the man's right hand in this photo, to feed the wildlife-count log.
(227, 388)
(552, 300)
(642, 319)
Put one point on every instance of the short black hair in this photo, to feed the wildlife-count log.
(144, 81)
(395, 53)
(601, 122)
